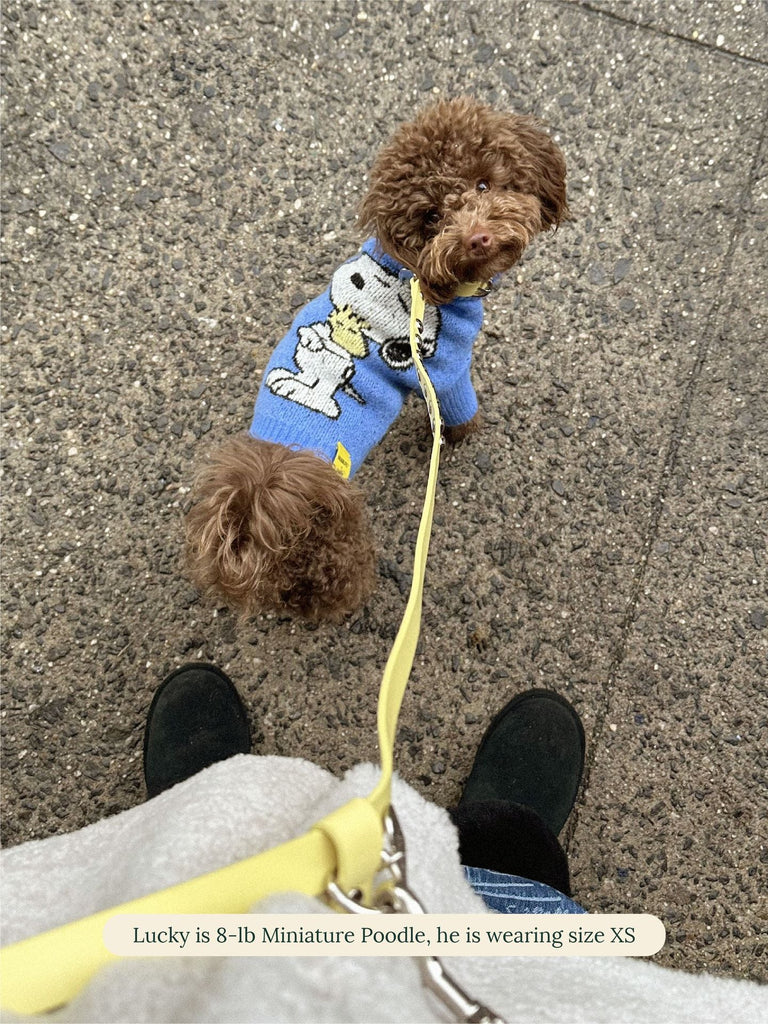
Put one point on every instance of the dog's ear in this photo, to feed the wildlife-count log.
(386, 210)
(368, 211)
(534, 163)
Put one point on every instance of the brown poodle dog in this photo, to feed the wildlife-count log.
(454, 198)
(459, 193)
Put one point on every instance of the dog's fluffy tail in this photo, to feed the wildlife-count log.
(273, 529)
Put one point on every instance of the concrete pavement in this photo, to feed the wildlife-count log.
(178, 178)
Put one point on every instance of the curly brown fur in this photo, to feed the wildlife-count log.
(453, 435)
(275, 529)
(456, 196)
(460, 191)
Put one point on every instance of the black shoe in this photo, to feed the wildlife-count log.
(532, 755)
(196, 718)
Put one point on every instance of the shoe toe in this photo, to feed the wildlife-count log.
(196, 718)
(532, 755)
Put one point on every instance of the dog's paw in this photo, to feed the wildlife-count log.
(455, 434)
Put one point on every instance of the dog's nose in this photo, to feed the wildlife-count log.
(358, 281)
(479, 243)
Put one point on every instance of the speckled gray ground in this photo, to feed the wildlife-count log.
(178, 178)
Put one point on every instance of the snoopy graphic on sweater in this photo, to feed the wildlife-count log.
(370, 304)
(340, 375)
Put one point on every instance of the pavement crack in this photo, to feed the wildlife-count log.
(677, 435)
(663, 33)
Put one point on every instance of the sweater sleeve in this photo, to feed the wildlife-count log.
(458, 402)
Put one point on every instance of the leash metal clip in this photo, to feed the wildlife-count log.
(394, 897)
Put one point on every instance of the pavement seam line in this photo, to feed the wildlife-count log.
(670, 461)
(663, 33)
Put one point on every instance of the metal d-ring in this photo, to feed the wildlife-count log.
(394, 897)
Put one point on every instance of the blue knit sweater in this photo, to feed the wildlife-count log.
(341, 374)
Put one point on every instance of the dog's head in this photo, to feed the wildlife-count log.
(459, 192)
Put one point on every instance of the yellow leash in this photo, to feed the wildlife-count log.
(400, 662)
(343, 849)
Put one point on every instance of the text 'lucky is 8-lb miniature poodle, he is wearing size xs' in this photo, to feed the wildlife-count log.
(454, 198)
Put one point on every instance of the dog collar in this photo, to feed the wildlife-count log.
(468, 290)
(474, 289)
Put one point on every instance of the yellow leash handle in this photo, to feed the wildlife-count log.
(48, 970)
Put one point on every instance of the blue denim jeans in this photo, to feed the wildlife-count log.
(510, 894)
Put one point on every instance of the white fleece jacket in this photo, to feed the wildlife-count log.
(241, 806)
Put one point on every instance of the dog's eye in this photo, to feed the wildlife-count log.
(432, 217)
(482, 186)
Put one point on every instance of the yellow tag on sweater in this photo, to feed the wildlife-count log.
(342, 461)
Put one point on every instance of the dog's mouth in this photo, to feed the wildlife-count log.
(477, 245)
(448, 263)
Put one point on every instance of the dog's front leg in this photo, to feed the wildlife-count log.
(457, 433)
(458, 406)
